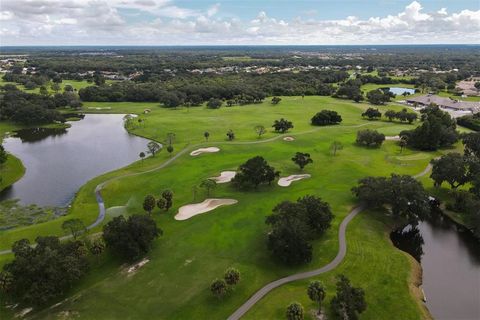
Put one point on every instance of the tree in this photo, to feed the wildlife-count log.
(153, 148)
(402, 143)
(171, 100)
(471, 141)
(168, 196)
(3, 154)
(170, 150)
(161, 203)
(42, 273)
(390, 114)
(372, 114)
(370, 138)
(260, 130)
(208, 185)
(55, 87)
(295, 311)
(75, 226)
(170, 138)
(349, 301)
(318, 215)
(335, 146)
(326, 117)
(214, 103)
(276, 100)
(230, 135)
(97, 247)
(218, 288)
(206, 134)
(451, 168)
(302, 159)
(436, 131)
(477, 85)
(141, 155)
(282, 125)
(405, 195)
(130, 238)
(289, 234)
(232, 276)
(149, 203)
(98, 78)
(44, 91)
(254, 172)
(316, 293)
(6, 281)
(378, 97)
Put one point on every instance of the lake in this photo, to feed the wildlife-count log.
(450, 259)
(59, 161)
(399, 91)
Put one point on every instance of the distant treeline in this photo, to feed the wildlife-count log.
(29, 108)
(196, 89)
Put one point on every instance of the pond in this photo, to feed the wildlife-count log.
(59, 161)
(399, 91)
(450, 259)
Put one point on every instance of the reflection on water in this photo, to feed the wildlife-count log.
(38, 134)
(450, 259)
(58, 161)
(409, 240)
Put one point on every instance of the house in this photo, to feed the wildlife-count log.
(444, 103)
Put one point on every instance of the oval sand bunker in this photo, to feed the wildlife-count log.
(190, 210)
(286, 181)
(288, 138)
(224, 177)
(204, 150)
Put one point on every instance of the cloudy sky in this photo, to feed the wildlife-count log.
(231, 22)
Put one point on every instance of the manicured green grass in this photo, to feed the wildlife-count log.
(371, 262)
(174, 284)
(10, 171)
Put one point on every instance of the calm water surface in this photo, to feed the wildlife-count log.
(58, 161)
(450, 258)
(399, 91)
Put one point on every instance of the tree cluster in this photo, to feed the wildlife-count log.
(293, 225)
(254, 172)
(282, 125)
(370, 138)
(402, 116)
(379, 97)
(438, 130)
(39, 274)
(403, 194)
(325, 118)
(130, 238)
(220, 287)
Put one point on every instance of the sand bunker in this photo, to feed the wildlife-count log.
(286, 181)
(190, 210)
(288, 138)
(224, 177)
(204, 150)
(392, 138)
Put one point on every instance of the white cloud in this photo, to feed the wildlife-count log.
(442, 11)
(104, 22)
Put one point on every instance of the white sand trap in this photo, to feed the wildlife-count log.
(288, 138)
(286, 181)
(204, 150)
(190, 210)
(392, 138)
(224, 177)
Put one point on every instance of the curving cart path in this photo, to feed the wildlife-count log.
(342, 250)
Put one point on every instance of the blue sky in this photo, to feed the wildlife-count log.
(188, 22)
